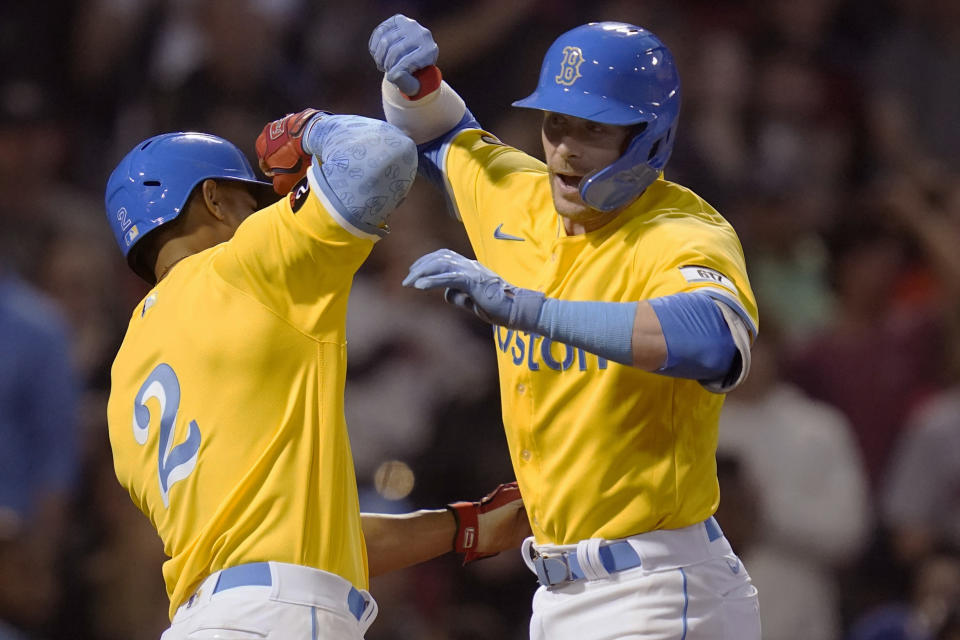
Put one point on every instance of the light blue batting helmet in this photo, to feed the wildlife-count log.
(620, 74)
(153, 182)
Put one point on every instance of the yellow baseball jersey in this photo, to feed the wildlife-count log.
(600, 449)
(226, 407)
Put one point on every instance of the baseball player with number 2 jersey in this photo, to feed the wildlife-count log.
(226, 406)
(621, 314)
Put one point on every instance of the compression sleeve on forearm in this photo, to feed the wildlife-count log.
(700, 345)
(602, 328)
(425, 119)
(364, 168)
(433, 121)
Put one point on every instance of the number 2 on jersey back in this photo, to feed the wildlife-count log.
(174, 463)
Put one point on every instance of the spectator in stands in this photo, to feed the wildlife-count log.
(38, 457)
(800, 457)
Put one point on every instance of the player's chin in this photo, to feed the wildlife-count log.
(570, 205)
(566, 200)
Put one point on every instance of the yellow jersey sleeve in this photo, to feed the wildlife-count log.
(694, 251)
(287, 253)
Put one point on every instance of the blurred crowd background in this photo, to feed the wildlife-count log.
(826, 131)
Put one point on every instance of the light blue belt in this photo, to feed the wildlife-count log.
(616, 556)
(257, 574)
(554, 570)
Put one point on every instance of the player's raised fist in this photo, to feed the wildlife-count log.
(406, 52)
(280, 149)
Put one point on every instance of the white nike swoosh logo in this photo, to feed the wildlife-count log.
(500, 235)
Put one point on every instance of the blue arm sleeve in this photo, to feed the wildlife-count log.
(365, 167)
(602, 328)
(700, 345)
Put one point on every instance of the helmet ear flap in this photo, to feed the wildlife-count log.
(622, 181)
(616, 185)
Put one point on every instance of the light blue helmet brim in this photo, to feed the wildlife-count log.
(579, 104)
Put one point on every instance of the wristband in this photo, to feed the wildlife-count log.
(429, 78)
(467, 517)
(467, 534)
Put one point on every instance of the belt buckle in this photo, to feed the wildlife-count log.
(550, 568)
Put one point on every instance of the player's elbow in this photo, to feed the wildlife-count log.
(719, 357)
(399, 150)
(701, 360)
(367, 169)
(392, 165)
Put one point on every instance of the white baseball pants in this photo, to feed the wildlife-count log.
(689, 585)
(273, 600)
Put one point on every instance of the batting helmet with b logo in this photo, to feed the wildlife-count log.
(620, 74)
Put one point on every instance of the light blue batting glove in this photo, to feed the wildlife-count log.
(400, 47)
(472, 286)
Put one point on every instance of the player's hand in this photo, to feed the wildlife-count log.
(496, 523)
(280, 149)
(476, 288)
(405, 51)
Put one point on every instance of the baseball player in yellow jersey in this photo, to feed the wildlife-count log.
(226, 407)
(622, 312)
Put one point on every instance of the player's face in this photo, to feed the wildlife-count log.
(233, 204)
(238, 202)
(574, 147)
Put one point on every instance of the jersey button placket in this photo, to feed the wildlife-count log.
(552, 273)
(525, 453)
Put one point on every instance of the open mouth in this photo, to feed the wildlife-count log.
(568, 180)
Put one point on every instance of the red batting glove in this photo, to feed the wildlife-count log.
(280, 150)
(467, 515)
